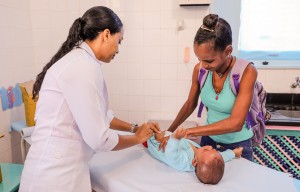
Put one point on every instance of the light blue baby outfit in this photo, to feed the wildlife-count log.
(179, 154)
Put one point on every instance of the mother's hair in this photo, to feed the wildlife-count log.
(214, 30)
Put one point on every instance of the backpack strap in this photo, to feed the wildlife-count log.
(202, 76)
(237, 73)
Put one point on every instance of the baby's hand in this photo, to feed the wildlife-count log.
(159, 136)
(163, 143)
(238, 151)
(179, 133)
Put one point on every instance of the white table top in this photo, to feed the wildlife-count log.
(135, 170)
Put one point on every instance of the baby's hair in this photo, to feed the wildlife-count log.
(211, 172)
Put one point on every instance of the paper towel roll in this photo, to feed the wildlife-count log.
(26, 132)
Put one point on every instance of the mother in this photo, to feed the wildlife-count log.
(225, 124)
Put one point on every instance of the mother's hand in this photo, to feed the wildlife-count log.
(180, 133)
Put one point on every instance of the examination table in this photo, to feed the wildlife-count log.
(135, 170)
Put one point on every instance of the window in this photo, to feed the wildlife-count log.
(264, 30)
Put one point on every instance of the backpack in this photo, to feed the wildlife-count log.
(258, 114)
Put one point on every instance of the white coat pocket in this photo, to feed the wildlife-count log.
(61, 164)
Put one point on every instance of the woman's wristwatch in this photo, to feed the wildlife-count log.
(132, 126)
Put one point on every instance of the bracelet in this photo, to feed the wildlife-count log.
(132, 126)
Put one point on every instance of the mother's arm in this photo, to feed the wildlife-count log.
(191, 103)
(235, 121)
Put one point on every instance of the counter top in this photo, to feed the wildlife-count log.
(282, 127)
(11, 174)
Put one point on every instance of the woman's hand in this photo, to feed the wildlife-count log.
(180, 133)
(155, 127)
(144, 132)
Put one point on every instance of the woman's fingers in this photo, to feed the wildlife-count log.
(155, 127)
(144, 132)
(180, 133)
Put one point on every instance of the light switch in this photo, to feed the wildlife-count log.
(186, 54)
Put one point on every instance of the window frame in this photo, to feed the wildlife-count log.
(230, 11)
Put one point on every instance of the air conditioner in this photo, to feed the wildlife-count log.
(194, 2)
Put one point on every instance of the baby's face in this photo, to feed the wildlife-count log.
(206, 153)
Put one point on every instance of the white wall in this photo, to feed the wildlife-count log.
(148, 78)
(279, 80)
(16, 65)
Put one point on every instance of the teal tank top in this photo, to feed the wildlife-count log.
(220, 108)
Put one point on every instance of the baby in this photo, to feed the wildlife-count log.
(186, 155)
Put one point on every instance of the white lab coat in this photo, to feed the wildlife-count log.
(72, 122)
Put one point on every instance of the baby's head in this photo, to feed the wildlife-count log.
(209, 165)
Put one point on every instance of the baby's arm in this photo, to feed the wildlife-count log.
(178, 134)
(228, 155)
(175, 155)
